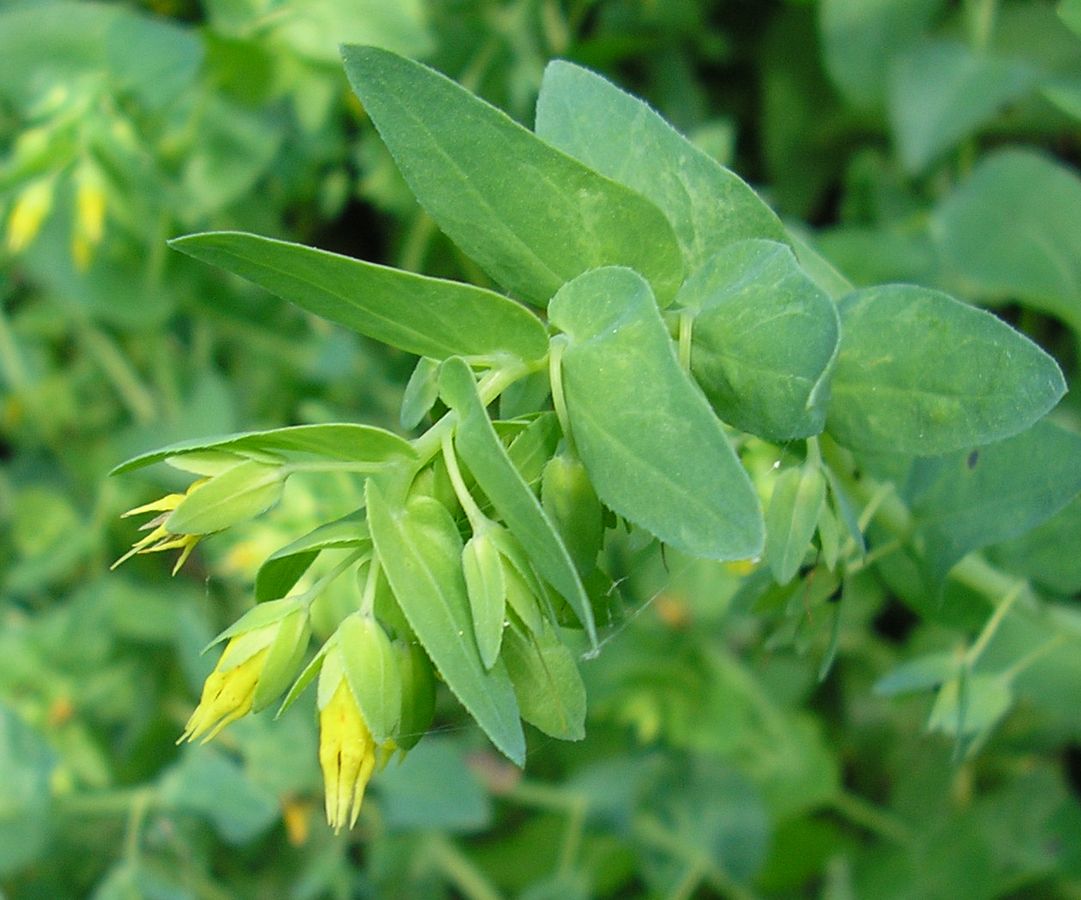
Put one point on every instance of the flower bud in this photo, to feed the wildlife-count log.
(30, 210)
(418, 693)
(487, 590)
(572, 504)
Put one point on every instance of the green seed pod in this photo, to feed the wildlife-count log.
(487, 590)
(371, 669)
(418, 693)
(570, 501)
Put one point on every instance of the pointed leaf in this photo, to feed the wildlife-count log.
(799, 496)
(920, 373)
(547, 683)
(283, 568)
(531, 216)
(620, 136)
(421, 315)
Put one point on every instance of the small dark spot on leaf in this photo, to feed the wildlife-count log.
(973, 458)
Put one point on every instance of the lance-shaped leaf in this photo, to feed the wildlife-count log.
(283, 568)
(475, 439)
(342, 441)
(426, 316)
(531, 216)
(965, 501)
(620, 136)
(921, 373)
(763, 341)
(420, 550)
(654, 451)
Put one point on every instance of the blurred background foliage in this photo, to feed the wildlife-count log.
(918, 140)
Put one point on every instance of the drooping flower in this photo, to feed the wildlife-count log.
(347, 756)
(262, 656)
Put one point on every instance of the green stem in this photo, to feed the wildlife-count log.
(872, 818)
(119, 371)
(992, 625)
(555, 376)
(367, 603)
(686, 330)
(461, 491)
(572, 837)
(460, 871)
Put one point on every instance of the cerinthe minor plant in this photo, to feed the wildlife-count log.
(659, 328)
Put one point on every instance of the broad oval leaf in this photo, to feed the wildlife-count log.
(420, 551)
(620, 136)
(342, 441)
(1012, 231)
(531, 216)
(654, 451)
(921, 373)
(488, 461)
(764, 339)
(426, 316)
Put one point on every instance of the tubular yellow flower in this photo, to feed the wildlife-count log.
(346, 755)
(227, 694)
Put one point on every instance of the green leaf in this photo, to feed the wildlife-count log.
(968, 500)
(918, 674)
(920, 373)
(1011, 231)
(534, 445)
(475, 439)
(426, 316)
(370, 664)
(1037, 554)
(860, 37)
(1070, 11)
(242, 492)
(574, 508)
(940, 92)
(342, 441)
(420, 550)
(654, 451)
(623, 138)
(763, 341)
(546, 682)
(799, 495)
(531, 216)
(972, 706)
(421, 392)
(26, 763)
(283, 568)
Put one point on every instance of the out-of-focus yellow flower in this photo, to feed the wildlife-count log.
(346, 755)
(29, 212)
(89, 215)
(158, 538)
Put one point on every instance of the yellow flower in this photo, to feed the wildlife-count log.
(346, 755)
(227, 693)
(29, 212)
(89, 216)
(159, 539)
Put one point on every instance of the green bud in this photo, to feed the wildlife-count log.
(799, 495)
(371, 670)
(418, 693)
(487, 590)
(283, 659)
(570, 501)
(238, 493)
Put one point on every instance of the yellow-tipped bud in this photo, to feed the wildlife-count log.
(227, 694)
(29, 212)
(347, 755)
